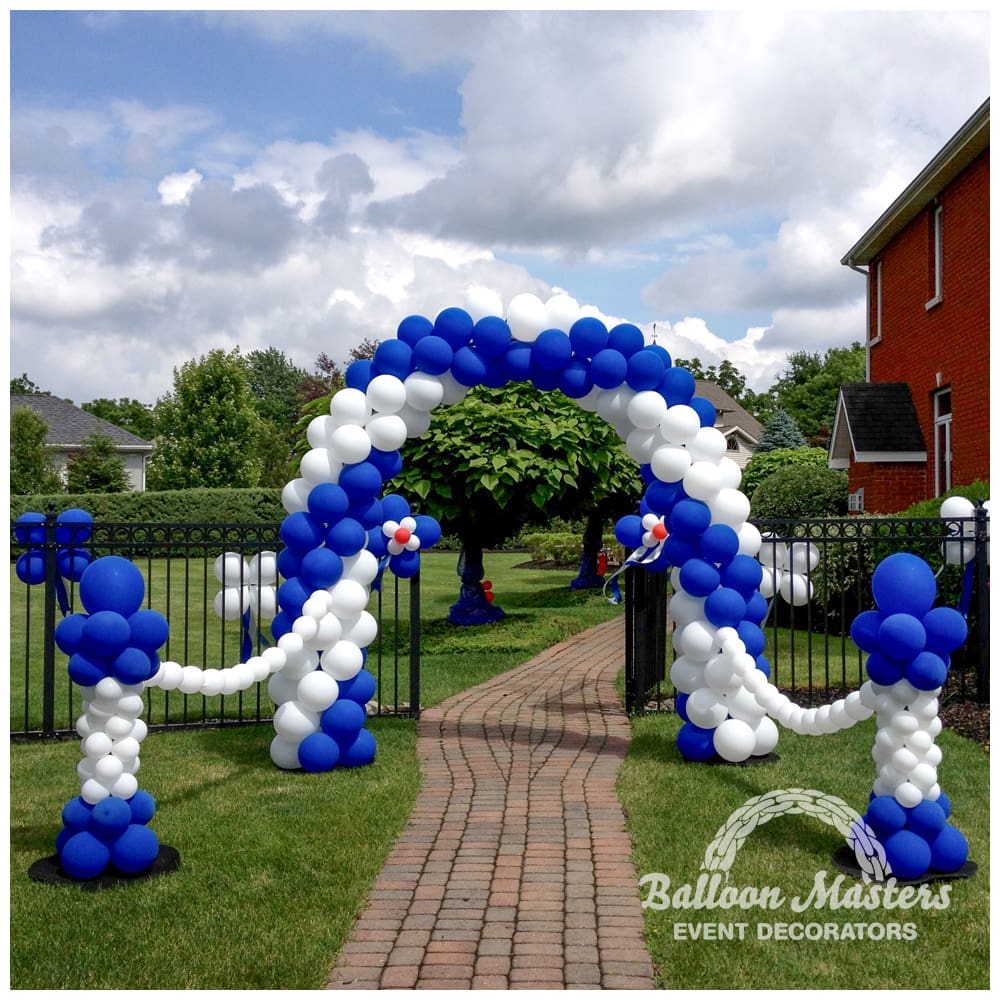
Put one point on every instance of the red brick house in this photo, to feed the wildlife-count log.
(919, 423)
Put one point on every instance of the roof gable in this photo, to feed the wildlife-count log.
(69, 426)
(731, 415)
(876, 421)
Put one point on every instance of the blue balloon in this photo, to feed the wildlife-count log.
(30, 567)
(281, 624)
(29, 529)
(662, 352)
(517, 362)
(885, 816)
(132, 666)
(608, 368)
(71, 563)
(575, 381)
(359, 374)
(551, 350)
(395, 507)
(945, 803)
(677, 386)
(743, 573)
(544, 379)
(680, 706)
(752, 636)
(69, 633)
(587, 336)
(644, 370)
(292, 594)
(949, 850)
(318, 753)
(405, 564)
(106, 633)
(629, 531)
(719, 543)
(393, 357)
(321, 568)
(901, 636)
(412, 329)
(143, 807)
(904, 583)
(926, 671)
(724, 607)
(360, 688)
(135, 850)
(378, 544)
(433, 355)
(626, 338)
(360, 752)
(301, 532)
(388, 463)
(455, 326)
(705, 410)
(367, 511)
(882, 670)
(661, 497)
(289, 563)
(699, 578)
(76, 814)
(87, 671)
(763, 665)
(347, 537)
(926, 819)
(756, 607)
(84, 857)
(491, 336)
(74, 526)
(327, 502)
(689, 517)
(110, 818)
(695, 743)
(360, 481)
(343, 719)
(428, 530)
(908, 855)
(468, 367)
(679, 549)
(864, 630)
(945, 629)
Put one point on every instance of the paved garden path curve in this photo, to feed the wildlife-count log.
(514, 870)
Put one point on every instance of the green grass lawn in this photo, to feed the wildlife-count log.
(675, 809)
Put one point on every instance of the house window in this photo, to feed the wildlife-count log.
(856, 501)
(942, 441)
(936, 256)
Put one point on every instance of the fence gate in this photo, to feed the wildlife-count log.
(646, 638)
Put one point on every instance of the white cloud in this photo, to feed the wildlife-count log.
(175, 189)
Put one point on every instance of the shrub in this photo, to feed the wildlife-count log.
(979, 490)
(801, 491)
(766, 463)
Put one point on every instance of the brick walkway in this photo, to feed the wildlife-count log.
(514, 871)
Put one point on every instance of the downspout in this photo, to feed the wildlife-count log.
(868, 316)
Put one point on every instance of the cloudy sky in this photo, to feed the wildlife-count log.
(184, 181)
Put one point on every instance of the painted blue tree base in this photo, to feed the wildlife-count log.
(587, 580)
(472, 608)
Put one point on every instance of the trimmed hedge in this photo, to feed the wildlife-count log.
(801, 491)
(198, 506)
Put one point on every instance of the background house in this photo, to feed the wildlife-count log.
(920, 422)
(741, 429)
(69, 427)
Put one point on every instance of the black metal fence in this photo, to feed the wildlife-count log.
(178, 565)
(809, 645)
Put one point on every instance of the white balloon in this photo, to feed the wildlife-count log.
(328, 632)
(284, 754)
(417, 421)
(423, 391)
(281, 688)
(732, 475)
(772, 553)
(795, 588)
(323, 465)
(708, 445)
(453, 390)
(108, 689)
(348, 598)
(230, 603)
(646, 409)
(96, 745)
(211, 682)
(923, 776)
(703, 481)
(697, 640)
(388, 431)
(721, 676)
(670, 462)
(349, 444)
(230, 682)
(685, 608)
(765, 737)
(705, 708)
(262, 569)
(919, 742)
(734, 740)
(481, 301)
(361, 629)
(118, 728)
(386, 394)
(274, 657)
(317, 691)
(908, 795)
(92, 791)
(681, 424)
(294, 723)
(957, 507)
(687, 675)
(295, 496)
(263, 603)
(561, 312)
(349, 406)
(803, 557)
(741, 704)
(526, 317)
(231, 569)
(640, 444)
(108, 769)
(191, 680)
(343, 660)
(305, 626)
(730, 507)
(319, 430)
(362, 567)
(301, 665)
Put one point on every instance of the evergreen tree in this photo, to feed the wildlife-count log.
(781, 431)
(96, 468)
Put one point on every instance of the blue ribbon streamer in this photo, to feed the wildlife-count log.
(966, 598)
(246, 648)
(637, 558)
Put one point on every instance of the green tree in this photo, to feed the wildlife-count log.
(765, 463)
(128, 414)
(96, 468)
(31, 460)
(23, 386)
(810, 384)
(505, 458)
(730, 380)
(207, 430)
(781, 431)
(801, 491)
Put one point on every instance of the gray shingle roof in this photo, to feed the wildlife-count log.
(882, 417)
(69, 426)
(731, 414)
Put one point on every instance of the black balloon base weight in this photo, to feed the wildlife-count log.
(764, 758)
(844, 859)
(49, 870)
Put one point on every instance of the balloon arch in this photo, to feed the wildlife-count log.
(340, 533)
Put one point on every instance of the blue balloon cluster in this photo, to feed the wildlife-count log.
(917, 840)
(73, 529)
(342, 739)
(907, 638)
(117, 637)
(111, 835)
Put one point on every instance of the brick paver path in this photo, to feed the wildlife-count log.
(514, 871)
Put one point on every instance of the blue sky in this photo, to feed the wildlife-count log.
(182, 181)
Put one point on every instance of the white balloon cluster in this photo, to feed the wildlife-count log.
(247, 586)
(111, 731)
(960, 548)
(786, 569)
(212, 681)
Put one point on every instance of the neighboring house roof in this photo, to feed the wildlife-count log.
(732, 417)
(69, 426)
(969, 142)
(876, 422)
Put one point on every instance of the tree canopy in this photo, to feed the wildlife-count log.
(31, 462)
(96, 467)
(128, 414)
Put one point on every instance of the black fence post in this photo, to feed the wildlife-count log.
(415, 646)
(49, 641)
(981, 585)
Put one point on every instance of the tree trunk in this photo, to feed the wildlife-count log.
(473, 606)
(590, 574)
